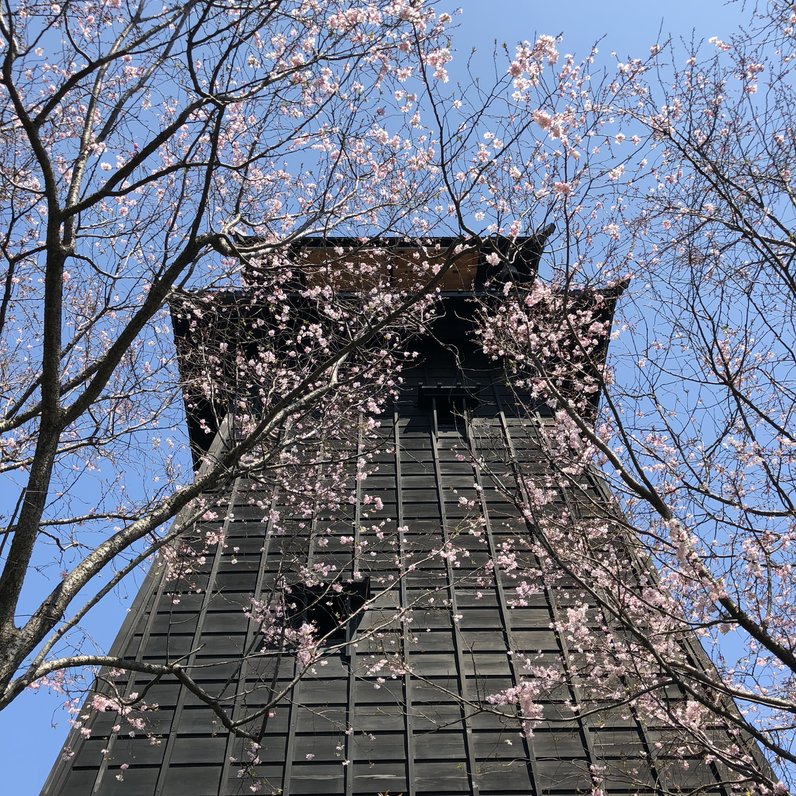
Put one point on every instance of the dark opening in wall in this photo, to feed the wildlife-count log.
(334, 608)
(451, 401)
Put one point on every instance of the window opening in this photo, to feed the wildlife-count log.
(451, 401)
(333, 608)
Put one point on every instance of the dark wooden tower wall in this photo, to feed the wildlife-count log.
(395, 707)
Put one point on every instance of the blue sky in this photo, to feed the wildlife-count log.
(34, 727)
(627, 27)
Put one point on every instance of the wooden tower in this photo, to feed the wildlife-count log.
(399, 702)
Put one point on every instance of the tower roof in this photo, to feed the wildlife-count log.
(473, 275)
